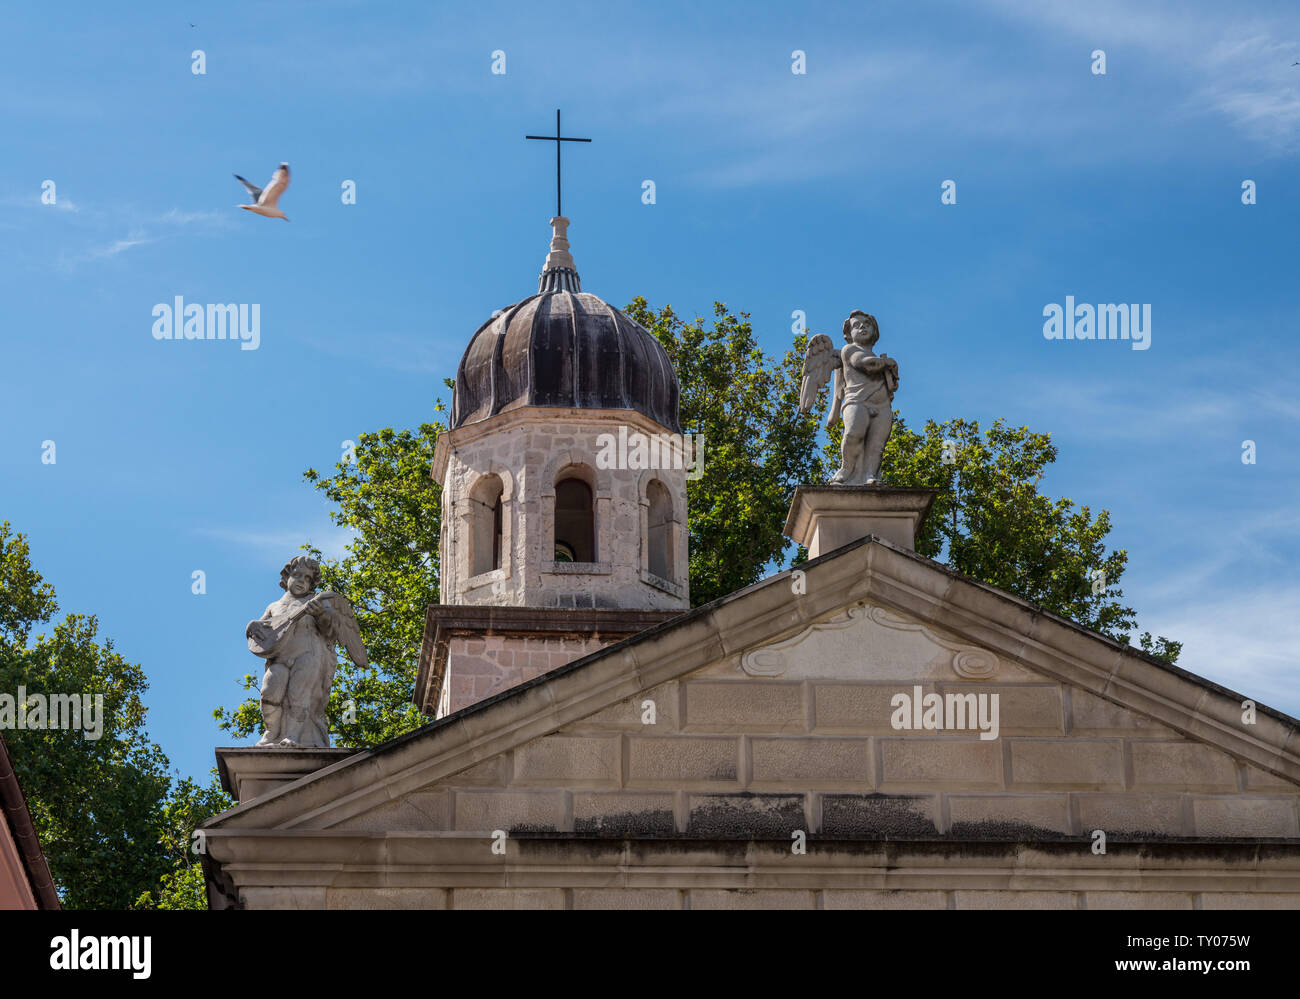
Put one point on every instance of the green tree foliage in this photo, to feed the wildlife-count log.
(182, 886)
(25, 598)
(100, 806)
(990, 522)
(1162, 648)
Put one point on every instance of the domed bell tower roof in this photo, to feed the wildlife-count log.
(564, 348)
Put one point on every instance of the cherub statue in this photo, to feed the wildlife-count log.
(296, 636)
(863, 394)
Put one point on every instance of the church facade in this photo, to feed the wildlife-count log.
(868, 730)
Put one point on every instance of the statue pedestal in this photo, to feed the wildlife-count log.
(823, 518)
(248, 772)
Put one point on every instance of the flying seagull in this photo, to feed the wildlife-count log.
(266, 199)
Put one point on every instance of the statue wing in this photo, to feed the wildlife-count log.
(819, 361)
(349, 634)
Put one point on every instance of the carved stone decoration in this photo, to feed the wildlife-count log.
(967, 660)
(296, 636)
(879, 645)
(772, 661)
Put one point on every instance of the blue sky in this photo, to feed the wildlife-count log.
(775, 192)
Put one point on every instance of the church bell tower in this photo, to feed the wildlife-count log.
(563, 476)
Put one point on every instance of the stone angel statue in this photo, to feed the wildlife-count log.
(863, 394)
(296, 636)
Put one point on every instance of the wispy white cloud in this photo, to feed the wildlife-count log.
(121, 245)
(391, 351)
(71, 260)
(1188, 402)
(61, 202)
(200, 219)
(1246, 546)
(144, 227)
(1129, 412)
(1227, 63)
(1273, 402)
(283, 542)
(1243, 639)
(848, 113)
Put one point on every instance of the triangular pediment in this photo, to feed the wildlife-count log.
(786, 694)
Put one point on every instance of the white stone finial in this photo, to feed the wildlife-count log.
(559, 255)
(559, 273)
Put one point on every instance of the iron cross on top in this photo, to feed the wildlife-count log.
(557, 138)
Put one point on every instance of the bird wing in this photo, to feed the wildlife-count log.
(279, 181)
(254, 192)
(819, 361)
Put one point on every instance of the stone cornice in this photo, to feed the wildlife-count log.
(456, 860)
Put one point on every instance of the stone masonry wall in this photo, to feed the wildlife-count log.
(479, 667)
(527, 450)
(729, 758)
(764, 758)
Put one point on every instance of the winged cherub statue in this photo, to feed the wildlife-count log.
(863, 394)
(296, 636)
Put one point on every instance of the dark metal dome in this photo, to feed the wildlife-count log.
(564, 347)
